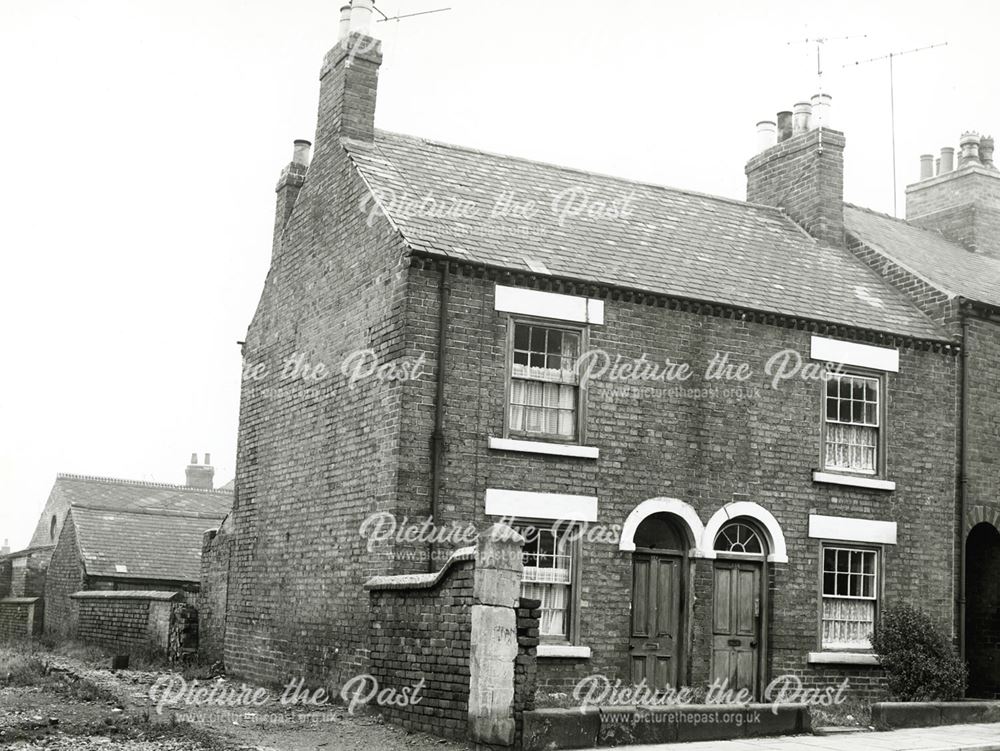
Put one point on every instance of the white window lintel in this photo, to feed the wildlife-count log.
(853, 353)
(851, 529)
(531, 505)
(553, 305)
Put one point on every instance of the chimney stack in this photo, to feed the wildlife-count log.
(201, 476)
(803, 173)
(290, 182)
(348, 83)
(962, 202)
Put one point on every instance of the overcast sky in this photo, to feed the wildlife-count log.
(140, 143)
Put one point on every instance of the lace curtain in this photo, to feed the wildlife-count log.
(848, 622)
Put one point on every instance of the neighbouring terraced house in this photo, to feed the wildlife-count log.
(840, 414)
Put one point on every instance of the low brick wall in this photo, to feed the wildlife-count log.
(423, 631)
(127, 621)
(18, 618)
(213, 596)
(419, 630)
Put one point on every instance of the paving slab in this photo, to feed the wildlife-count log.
(977, 737)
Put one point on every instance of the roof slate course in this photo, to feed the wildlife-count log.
(645, 237)
(945, 265)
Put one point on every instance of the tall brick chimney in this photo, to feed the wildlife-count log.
(963, 202)
(200, 476)
(292, 178)
(803, 173)
(349, 80)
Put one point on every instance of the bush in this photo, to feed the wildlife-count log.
(919, 660)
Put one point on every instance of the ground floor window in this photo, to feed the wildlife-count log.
(549, 565)
(850, 597)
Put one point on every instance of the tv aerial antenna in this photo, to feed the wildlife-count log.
(892, 103)
(405, 15)
(820, 42)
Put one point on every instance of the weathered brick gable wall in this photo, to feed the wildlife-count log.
(963, 205)
(65, 576)
(315, 459)
(704, 451)
(5, 578)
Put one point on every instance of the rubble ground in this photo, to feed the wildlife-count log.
(67, 697)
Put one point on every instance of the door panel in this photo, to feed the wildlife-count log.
(655, 640)
(736, 624)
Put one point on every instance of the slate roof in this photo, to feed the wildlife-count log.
(945, 265)
(148, 545)
(663, 240)
(152, 529)
(132, 495)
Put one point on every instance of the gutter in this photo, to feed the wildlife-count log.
(437, 437)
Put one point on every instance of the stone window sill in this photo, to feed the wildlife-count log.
(541, 447)
(563, 650)
(842, 658)
(857, 481)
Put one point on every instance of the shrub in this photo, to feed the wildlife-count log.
(919, 660)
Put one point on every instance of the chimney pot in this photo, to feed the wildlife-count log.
(784, 125)
(800, 118)
(194, 458)
(361, 16)
(970, 149)
(766, 135)
(208, 459)
(947, 160)
(821, 111)
(986, 152)
(300, 152)
(344, 26)
(926, 166)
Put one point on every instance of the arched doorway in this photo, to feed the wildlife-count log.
(659, 601)
(738, 597)
(982, 610)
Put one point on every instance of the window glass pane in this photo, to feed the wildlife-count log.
(538, 338)
(521, 336)
(829, 584)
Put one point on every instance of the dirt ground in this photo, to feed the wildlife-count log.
(68, 698)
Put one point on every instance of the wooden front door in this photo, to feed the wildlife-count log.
(736, 624)
(655, 639)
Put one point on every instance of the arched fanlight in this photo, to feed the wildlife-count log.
(738, 537)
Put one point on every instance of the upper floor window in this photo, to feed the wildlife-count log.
(850, 594)
(544, 394)
(853, 417)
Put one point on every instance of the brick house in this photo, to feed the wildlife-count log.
(946, 258)
(126, 535)
(758, 525)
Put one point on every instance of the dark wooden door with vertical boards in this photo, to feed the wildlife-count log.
(736, 624)
(655, 639)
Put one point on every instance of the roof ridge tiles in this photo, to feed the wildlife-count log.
(173, 513)
(141, 483)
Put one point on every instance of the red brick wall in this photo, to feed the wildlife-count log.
(984, 413)
(19, 619)
(214, 594)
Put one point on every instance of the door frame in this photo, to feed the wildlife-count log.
(764, 618)
(683, 668)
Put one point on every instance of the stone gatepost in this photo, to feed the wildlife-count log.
(496, 591)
